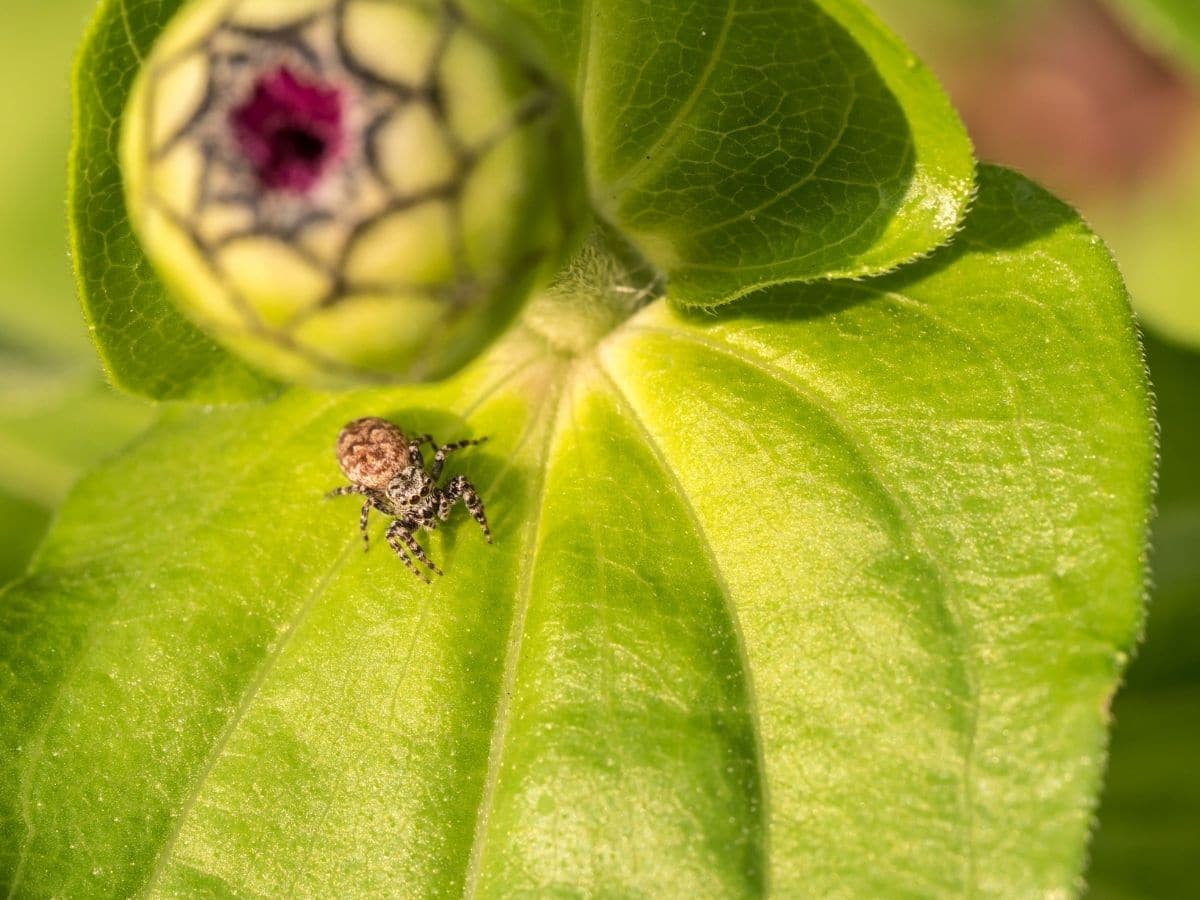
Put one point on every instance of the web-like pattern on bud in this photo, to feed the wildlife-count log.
(314, 169)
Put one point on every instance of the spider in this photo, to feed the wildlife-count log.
(386, 467)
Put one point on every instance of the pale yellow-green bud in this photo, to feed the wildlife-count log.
(346, 191)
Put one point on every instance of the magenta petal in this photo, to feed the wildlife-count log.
(290, 130)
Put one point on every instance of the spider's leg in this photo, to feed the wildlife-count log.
(347, 489)
(414, 448)
(460, 486)
(439, 456)
(362, 522)
(410, 541)
(393, 538)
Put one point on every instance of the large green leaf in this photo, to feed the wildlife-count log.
(826, 593)
(743, 144)
(145, 343)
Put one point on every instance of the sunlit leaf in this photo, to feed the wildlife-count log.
(844, 574)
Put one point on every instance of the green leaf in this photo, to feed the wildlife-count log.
(748, 144)
(1172, 25)
(1150, 814)
(145, 343)
(826, 593)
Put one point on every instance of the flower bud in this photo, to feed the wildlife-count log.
(346, 191)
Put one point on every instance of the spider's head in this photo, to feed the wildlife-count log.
(411, 490)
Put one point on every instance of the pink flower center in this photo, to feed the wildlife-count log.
(290, 130)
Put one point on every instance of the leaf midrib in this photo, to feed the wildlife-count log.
(167, 854)
(653, 156)
(958, 614)
(125, 24)
(735, 625)
(516, 636)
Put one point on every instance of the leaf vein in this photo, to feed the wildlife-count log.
(655, 449)
(133, 45)
(243, 707)
(512, 657)
(902, 507)
(808, 177)
(671, 131)
(38, 745)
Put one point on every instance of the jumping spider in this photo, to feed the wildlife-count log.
(386, 467)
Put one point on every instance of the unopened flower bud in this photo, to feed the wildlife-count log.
(350, 190)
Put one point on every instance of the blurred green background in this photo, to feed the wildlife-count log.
(1101, 102)
(57, 416)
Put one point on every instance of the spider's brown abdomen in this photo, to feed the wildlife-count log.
(371, 451)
